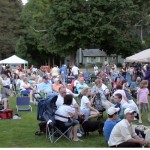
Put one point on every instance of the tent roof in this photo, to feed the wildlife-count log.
(13, 60)
(143, 56)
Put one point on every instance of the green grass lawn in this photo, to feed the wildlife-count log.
(21, 133)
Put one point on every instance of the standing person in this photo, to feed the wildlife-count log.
(146, 75)
(124, 70)
(123, 134)
(75, 71)
(111, 121)
(55, 71)
(142, 99)
(95, 70)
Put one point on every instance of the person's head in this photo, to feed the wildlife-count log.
(81, 80)
(4, 77)
(62, 91)
(129, 114)
(98, 82)
(148, 67)
(86, 91)
(138, 79)
(117, 79)
(45, 78)
(112, 113)
(25, 80)
(143, 84)
(119, 87)
(117, 98)
(68, 99)
(57, 81)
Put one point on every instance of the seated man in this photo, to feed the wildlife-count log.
(81, 84)
(117, 100)
(60, 101)
(123, 134)
(110, 122)
(45, 87)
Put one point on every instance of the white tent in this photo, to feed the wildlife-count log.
(14, 60)
(143, 56)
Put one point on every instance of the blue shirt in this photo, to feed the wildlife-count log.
(108, 126)
(64, 69)
(80, 87)
(45, 86)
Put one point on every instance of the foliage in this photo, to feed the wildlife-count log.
(10, 27)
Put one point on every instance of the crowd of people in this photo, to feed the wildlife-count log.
(123, 94)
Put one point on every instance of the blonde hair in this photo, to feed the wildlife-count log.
(85, 90)
(143, 83)
(97, 81)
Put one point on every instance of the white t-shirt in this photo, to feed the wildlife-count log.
(84, 101)
(64, 111)
(6, 82)
(95, 68)
(122, 132)
(60, 101)
(75, 70)
(22, 86)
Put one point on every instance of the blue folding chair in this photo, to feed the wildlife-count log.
(23, 103)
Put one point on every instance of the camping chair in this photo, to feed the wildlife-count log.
(23, 103)
(53, 133)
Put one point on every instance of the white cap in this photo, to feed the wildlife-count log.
(56, 79)
(112, 110)
(128, 110)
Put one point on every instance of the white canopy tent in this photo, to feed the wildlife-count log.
(14, 60)
(143, 56)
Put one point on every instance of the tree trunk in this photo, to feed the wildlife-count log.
(72, 58)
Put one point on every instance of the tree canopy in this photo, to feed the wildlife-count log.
(10, 28)
(60, 27)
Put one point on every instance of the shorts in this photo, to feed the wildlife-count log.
(63, 126)
(86, 112)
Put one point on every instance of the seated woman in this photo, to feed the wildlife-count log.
(26, 88)
(6, 81)
(86, 105)
(66, 110)
(56, 85)
(117, 82)
(4, 94)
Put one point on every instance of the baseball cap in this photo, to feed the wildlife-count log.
(112, 110)
(56, 79)
(45, 77)
(128, 110)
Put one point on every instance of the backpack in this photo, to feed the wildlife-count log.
(97, 103)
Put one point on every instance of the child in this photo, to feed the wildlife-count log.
(142, 98)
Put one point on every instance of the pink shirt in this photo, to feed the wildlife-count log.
(143, 95)
(122, 92)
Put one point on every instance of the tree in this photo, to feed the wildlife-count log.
(10, 28)
(61, 27)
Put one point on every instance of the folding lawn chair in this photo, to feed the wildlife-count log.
(23, 103)
(53, 133)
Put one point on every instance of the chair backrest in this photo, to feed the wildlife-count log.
(22, 101)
